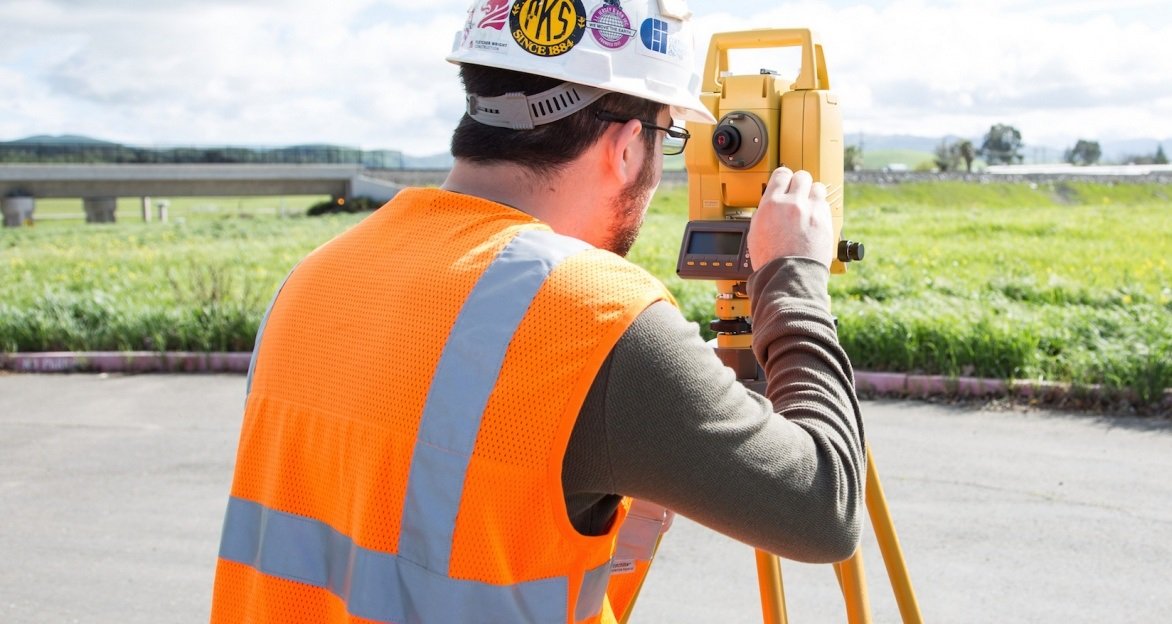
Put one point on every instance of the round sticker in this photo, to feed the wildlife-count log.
(547, 27)
(610, 26)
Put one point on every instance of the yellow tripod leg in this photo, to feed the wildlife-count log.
(901, 583)
(772, 593)
(850, 573)
(852, 580)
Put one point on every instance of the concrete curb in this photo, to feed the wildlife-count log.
(908, 385)
(125, 362)
(913, 385)
(866, 382)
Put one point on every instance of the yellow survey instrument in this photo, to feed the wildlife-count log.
(765, 121)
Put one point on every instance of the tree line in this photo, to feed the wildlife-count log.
(1002, 145)
(56, 152)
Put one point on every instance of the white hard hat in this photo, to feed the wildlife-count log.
(642, 48)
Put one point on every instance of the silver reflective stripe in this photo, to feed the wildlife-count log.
(375, 585)
(259, 332)
(465, 376)
(640, 532)
(593, 591)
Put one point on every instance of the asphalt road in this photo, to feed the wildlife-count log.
(112, 490)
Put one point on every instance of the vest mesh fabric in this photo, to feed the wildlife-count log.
(343, 373)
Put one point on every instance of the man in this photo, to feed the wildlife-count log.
(451, 402)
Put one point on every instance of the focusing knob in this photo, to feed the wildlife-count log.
(850, 251)
(726, 140)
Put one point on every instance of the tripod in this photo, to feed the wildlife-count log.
(765, 121)
(850, 573)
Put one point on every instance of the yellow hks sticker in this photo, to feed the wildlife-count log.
(547, 27)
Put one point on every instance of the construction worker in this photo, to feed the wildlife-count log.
(470, 408)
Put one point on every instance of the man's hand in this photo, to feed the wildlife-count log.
(793, 219)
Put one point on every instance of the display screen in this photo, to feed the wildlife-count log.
(715, 243)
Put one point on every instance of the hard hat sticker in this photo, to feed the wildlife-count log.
(634, 47)
(653, 33)
(484, 30)
(661, 38)
(610, 26)
(495, 14)
(547, 27)
(467, 28)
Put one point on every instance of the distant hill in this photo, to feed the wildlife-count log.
(81, 149)
(879, 150)
(881, 158)
(1120, 149)
(884, 149)
(61, 139)
(879, 142)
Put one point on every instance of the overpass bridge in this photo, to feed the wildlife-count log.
(100, 185)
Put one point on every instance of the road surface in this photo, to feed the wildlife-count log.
(112, 491)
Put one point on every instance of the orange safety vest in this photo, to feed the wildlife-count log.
(412, 393)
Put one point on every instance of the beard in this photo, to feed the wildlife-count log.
(629, 206)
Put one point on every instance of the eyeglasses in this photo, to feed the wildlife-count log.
(675, 138)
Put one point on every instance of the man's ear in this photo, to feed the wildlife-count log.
(623, 147)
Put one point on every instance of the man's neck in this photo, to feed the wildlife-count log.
(567, 201)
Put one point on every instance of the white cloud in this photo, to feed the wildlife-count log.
(371, 73)
(268, 73)
(934, 69)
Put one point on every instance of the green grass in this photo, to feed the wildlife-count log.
(181, 208)
(198, 285)
(1067, 282)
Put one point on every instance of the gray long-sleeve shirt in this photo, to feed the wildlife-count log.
(665, 421)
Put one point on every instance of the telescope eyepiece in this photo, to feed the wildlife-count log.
(726, 140)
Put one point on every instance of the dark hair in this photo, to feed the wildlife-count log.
(548, 147)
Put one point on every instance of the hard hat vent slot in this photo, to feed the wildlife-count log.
(520, 112)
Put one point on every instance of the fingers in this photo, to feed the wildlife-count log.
(784, 181)
(779, 182)
(818, 191)
(800, 184)
(792, 220)
(781, 177)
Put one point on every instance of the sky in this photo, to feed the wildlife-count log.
(371, 73)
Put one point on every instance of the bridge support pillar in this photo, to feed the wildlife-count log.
(100, 209)
(17, 210)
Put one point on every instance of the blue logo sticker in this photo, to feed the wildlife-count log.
(653, 34)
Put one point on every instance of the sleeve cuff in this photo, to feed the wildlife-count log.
(791, 277)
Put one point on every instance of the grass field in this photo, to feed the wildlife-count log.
(182, 208)
(1067, 283)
